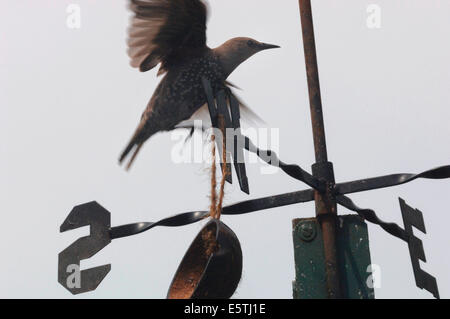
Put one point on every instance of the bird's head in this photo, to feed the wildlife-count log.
(235, 51)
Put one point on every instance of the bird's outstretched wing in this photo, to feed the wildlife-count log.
(165, 31)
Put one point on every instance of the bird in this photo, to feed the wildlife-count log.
(172, 34)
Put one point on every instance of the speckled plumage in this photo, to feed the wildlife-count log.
(180, 93)
(173, 34)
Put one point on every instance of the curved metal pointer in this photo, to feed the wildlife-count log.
(292, 170)
(293, 198)
(244, 207)
(371, 216)
(390, 180)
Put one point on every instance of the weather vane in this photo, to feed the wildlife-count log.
(331, 251)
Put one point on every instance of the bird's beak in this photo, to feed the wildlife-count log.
(265, 46)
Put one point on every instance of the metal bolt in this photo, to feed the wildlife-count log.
(307, 231)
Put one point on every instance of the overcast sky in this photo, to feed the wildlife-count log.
(69, 101)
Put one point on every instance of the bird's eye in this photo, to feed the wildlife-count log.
(251, 43)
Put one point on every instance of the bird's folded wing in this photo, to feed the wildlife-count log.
(165, 31)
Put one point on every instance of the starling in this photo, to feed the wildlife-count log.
(172, 33)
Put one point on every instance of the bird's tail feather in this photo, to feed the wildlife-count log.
(133, 157)
(132, 146)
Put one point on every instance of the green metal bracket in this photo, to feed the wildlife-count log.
(353, 258)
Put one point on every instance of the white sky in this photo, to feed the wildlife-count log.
(69, 102)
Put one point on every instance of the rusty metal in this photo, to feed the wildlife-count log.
(101, 233)
(326, 209)
(212, 266)
(324, 191)
(312, 73)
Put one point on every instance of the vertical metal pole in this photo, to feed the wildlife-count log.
(326, 210)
